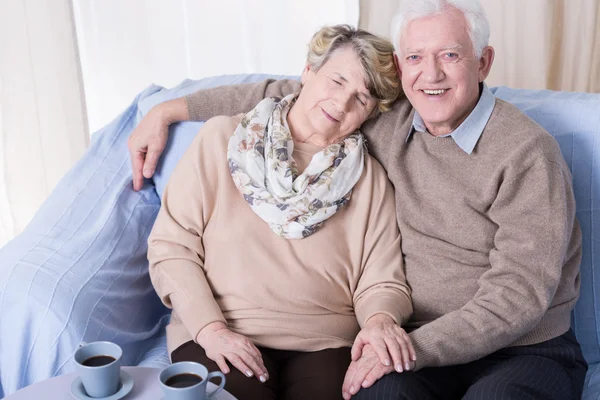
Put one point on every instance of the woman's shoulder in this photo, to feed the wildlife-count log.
(373, 193)
(374, 169)
(374, 180)
(223, 123)
(217, 130)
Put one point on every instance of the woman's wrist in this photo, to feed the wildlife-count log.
(208, 330)
(379, 319)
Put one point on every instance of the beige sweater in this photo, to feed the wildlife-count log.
(490, 240)
(213, 259)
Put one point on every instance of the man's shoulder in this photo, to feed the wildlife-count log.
(386, 133)
(512, 121)
(391, 122)
(512, 129)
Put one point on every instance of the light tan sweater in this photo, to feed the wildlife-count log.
(490, 240)
(213, 259)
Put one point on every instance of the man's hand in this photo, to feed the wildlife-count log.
(364, 372)
(221, 344)
(389, 341)
(148, 140)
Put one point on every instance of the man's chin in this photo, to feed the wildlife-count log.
(432, 119)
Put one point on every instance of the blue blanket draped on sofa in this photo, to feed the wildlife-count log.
(79, 271)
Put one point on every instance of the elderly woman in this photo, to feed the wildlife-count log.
(275, 242)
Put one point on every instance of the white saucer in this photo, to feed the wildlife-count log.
(79, 392)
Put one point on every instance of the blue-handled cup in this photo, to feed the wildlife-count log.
(99, 366)
(188, 381)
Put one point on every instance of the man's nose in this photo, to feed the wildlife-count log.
(432, 71)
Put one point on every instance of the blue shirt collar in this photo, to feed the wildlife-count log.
(468, 133)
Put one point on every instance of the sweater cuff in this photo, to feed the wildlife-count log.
(196, 313)
(399, 308)
(425, 348)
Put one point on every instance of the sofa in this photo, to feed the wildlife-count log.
(78, 272)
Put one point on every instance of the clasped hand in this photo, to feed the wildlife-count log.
(379, 348)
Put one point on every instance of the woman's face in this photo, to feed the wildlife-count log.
(334, 100)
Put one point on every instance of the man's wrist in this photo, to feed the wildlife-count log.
(164, 114)
(172, 111)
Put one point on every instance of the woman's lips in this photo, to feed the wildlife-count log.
(329, 117)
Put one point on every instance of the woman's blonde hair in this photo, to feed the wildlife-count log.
(375, 53)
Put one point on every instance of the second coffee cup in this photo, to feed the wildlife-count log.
(188, 381)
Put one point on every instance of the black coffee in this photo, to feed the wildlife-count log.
(98, 361)
(183, 380)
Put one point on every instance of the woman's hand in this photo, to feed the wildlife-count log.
(364, 372)
(389, 341)
(147, 141)
(221, 344)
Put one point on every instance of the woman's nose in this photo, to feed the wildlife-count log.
(342, 102)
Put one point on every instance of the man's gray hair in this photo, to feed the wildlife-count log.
(477, 22)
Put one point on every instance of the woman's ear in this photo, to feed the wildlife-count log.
(305, 72)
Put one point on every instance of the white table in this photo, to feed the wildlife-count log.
(145, 387)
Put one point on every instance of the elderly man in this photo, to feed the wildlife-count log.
(486, 212)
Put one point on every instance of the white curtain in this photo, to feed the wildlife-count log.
(43, 129)
(126, 45)
(545, 44)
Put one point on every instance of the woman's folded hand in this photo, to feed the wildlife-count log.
(222, 345)
(389, 341)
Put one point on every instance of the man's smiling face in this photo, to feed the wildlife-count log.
(440, 72)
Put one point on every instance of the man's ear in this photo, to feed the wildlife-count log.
(397, 64)
(305, 72)
(485, 62)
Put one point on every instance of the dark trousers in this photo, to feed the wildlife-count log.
(293, 375)
(554, 369)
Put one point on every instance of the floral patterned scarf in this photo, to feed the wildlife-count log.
(263, 170)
